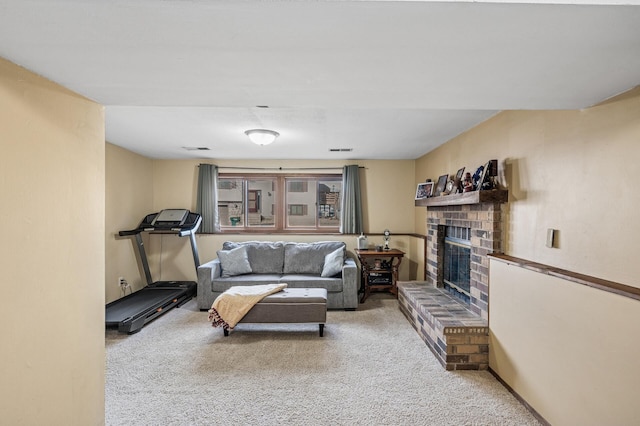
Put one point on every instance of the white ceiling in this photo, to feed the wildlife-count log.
(390, 79)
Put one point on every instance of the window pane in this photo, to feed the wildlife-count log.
(301, 203)
(261, 201)
(329, 202)
(230, 205)
(297, 186)
(253, 202)
(298, 210)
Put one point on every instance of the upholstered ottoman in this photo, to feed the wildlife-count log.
(291, 305)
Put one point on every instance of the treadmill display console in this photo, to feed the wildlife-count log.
(170, 218)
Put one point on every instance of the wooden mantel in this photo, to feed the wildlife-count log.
(473, 197)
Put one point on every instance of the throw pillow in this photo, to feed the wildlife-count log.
(308, 258)
(265, 257)
(333, 263)
(234, 262)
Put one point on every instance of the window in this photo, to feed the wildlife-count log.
(269, 203)
(297, 186)
(297, 210)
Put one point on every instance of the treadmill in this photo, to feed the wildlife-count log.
(130, 313)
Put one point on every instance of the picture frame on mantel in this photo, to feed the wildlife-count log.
(424, 190)
(458, 180)
(486, 172)
(442, 183)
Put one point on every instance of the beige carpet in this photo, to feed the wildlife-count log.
(370, 368)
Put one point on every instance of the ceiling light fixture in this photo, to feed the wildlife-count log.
(262, 136)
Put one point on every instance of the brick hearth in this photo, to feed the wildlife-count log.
(457, 337)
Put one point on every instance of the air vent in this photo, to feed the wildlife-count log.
(196, 148)
(340, 149)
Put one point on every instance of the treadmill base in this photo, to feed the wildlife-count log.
(135, 310)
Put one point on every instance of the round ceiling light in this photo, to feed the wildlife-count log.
(262, 136)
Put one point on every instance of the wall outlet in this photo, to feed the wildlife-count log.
(124, 285)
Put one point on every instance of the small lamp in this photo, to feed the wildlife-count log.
(262, 136)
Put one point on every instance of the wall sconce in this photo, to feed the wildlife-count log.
(262, 136)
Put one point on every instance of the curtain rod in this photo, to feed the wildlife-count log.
(280, 168)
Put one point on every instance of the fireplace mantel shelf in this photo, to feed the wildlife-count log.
(474, 197)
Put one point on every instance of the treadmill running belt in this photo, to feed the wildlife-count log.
(131, 312)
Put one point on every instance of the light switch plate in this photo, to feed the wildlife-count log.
(551, 233)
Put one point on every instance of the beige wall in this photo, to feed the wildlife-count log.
(129, 198)
(388, 192)
(388, 188)
(567, 170)
(569, 350)
(52, 253)
(563, 347)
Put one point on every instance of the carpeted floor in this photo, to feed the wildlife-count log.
(370, 368)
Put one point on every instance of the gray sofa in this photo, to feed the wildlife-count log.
(322, 264)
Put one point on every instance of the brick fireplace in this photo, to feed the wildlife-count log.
(484, 221)
(456, 332)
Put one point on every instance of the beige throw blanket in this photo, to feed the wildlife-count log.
(232, 305)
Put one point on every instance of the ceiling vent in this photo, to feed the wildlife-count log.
(196, 148)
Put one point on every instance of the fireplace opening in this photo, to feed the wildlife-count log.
(457, 263)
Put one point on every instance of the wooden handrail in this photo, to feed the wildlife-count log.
(600, 284)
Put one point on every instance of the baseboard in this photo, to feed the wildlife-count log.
(520, 399)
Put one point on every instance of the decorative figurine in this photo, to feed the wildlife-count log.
(387, 235)
(467, 183)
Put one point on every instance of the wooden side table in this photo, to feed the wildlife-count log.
(379, 271)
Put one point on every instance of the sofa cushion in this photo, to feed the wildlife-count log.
(265, 257)
(308, 258)
(234, 262)
(333, 263)
(222, 284)
(305, 281)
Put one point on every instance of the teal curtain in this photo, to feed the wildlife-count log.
(207, 198)
(351, 213)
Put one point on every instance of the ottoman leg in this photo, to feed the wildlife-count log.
(321, 329)
(226, 332)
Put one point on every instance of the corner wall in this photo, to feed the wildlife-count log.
(51, 253)
(129, 198)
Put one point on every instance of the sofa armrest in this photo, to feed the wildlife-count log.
(207, 272)
(350, 283)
